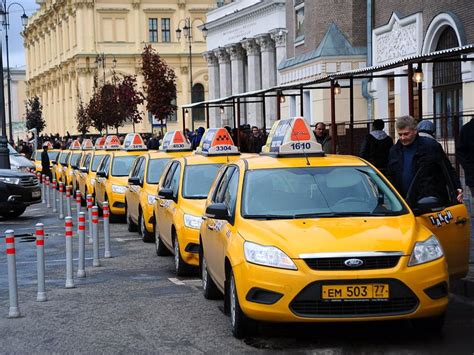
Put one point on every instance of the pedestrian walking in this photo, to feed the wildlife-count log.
(323, 137)
(414, 157)
(426, 129)
(45, 163)
(465, 155)
(376, 146)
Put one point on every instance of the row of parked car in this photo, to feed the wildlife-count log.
(290, 235)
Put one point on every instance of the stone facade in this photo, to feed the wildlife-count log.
(18, 99)
(64, 37)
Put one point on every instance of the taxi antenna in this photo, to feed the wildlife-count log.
(302, 146)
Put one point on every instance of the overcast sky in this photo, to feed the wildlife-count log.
(15, 41)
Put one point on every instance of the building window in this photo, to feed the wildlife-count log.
(174, 116)
(152, 30)
(165, 30)
(299, 21)
(197, 95)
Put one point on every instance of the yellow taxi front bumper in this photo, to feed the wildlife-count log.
(117, 203)
(148, 217)
(189, 245)
(295, 295)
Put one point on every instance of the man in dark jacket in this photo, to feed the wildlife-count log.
(376, 146)
(323, 137)
(256, 140)
(45, 163)
(421, 159)
(465, 153)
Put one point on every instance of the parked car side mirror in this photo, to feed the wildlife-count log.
(101, 174)
(166, 194)
(217, 211)
(134, 180)
(83, 169)
(429, 204)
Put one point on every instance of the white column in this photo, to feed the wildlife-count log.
(214, 87)
(225, 84)
(279, 37)
(267, 48)
(236, 53)
(254, 81)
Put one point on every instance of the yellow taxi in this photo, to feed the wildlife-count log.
(114, 168)
(61, 165)
(297, 236)
(182, 192)
(73, 163)
(52, 154)
(87, 148)
(143, 183)
(89, 166)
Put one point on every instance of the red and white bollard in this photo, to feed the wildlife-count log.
(61, 203)
(48, 193)
(38, 175)
(89, 215)
(43, 188)
(81, 272)
(106, 215)
(95, 236)
(68, 201)
(55, 208)
(14, 311)
(69, 266)
(41, 295)
(78, 205)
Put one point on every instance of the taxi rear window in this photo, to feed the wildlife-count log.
(121, 165)
(317, 192)
(198, 180)
(155, 169)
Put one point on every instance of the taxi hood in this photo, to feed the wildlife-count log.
(192, 206)
(330, 235)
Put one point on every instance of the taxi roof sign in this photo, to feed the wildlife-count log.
(134, 141)
(87, 144)
(75, 145)
(292, 137)
(175, 141)
(217, 141)
(99, 143)
(112, 142)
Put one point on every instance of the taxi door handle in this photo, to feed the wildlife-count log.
(461, 220)
(211, 227)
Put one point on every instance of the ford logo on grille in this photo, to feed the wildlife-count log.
(353, 262)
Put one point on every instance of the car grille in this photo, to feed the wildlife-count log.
(308, 302)
(29, 181)
(370, 263)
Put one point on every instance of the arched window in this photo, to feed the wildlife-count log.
(197, 95)
(447, 85)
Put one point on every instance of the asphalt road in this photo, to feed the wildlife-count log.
(134, 304)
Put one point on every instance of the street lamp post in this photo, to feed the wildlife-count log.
(4, 154)
(188, 35)
(5, 15)
(100, 61)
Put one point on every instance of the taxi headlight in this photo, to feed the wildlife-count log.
(267, 256)
(10, 180)
(426, 251)
(191, 221)
(151, 199)
(92, 181)
(118, 189)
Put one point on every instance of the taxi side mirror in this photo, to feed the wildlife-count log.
(101, 174)
(83, 169)
(166, 194)
(429, 204)
(53, 162)
(217, 211)
(134, 180)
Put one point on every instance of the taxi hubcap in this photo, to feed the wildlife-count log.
(204, 273)
(176, 253)
(142, 222)
(232, 301)
(157, 237)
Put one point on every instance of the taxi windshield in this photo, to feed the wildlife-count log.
(198, 180)
(96, 161)
(63, 158)
(155, 169)
(53, 155)
(74, 162)
(317, 192)
(121, 165)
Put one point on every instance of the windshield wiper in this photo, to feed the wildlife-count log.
(269, 216)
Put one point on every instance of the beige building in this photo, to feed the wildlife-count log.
(64, 39)
(18, 100)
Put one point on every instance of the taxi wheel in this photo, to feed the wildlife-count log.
(241, 325)
(161, 249)
(131, 226)
(147, 237)
(182, 269)
(431, 324)
(209, 288)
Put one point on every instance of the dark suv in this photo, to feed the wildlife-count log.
(17, 191)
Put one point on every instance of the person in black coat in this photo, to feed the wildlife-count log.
(376, 146)
(421, 158)
(45, 163)
(465, 153)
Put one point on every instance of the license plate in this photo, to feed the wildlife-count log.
(348, 292)
(36, 194)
